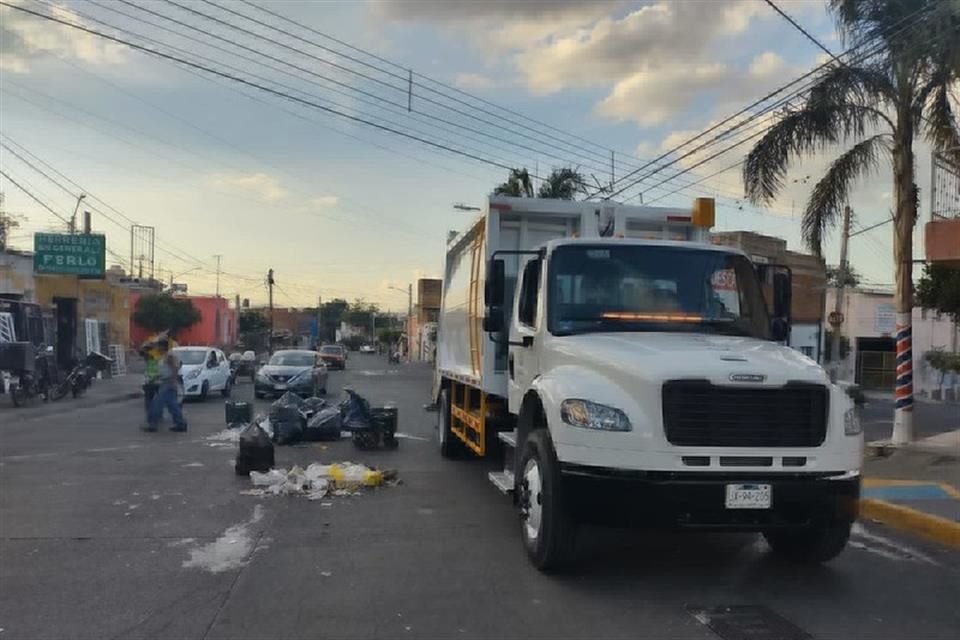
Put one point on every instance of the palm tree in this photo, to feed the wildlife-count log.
(876, 106)
(518, 185)
(562, 184)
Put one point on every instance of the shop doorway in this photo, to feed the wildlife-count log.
(877, 363)
(66, 315)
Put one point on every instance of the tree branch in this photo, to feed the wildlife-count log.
(798, 133)
(830, 193)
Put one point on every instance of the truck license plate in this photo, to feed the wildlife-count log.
(749, 496)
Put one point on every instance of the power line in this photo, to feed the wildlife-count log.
(32, 196)
(914, 16)
(510, 112)
(806, 33)
(279, 94)
(274, 42)
(431, 118)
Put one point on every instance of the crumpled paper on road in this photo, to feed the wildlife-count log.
(317, 480)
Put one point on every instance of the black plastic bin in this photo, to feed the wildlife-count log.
(237, 412)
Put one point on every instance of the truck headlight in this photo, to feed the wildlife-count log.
(851, 422)
(590, 415)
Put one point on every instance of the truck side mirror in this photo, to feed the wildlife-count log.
(782, 295)
(493, 291)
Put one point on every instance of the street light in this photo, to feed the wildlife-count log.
(173, 277)
(73, 218)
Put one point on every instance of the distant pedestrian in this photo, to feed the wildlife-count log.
(166, 395)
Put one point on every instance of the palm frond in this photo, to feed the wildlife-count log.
(861, 85)
(941, 124)
(830, 193)
(797, 133)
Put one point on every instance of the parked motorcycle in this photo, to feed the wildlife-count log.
(81, 376)
(31, 372)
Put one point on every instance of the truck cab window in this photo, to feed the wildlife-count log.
(527, 309)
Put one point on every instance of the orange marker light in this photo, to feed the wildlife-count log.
(651, 317)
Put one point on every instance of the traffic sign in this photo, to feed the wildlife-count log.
(835, 318)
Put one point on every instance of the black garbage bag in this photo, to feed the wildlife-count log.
(256, 451)
(311, 406)
(286, 408)
(237, 411)
(355, 411)
(325, 424)
(287, 431)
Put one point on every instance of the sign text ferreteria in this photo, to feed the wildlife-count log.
(82, 255)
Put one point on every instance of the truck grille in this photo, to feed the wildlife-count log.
(697, 413)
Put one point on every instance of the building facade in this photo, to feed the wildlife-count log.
(869, 327)
(217, 326)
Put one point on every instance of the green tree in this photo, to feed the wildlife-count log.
(851, 279)
(939, 288)
(518, 185)
(876, 105)
(163, 312)
(251, 322)
(562, 184)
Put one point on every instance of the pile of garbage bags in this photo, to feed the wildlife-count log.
(294, 419)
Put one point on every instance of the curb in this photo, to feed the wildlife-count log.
(903, 518)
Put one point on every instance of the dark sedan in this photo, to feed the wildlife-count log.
(300, 371)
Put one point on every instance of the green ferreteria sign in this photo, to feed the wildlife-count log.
(81, 255)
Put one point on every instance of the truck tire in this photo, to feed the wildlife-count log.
(548, 531)
(450, 446)
(810, 545)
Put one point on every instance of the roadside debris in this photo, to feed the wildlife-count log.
(223, 439)
(324, 424)
(371, 427)
(230, 551)
(237, 413)
(318, 480)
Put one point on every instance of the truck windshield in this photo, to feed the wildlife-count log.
(654, 288)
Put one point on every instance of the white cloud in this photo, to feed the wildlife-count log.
(654, 96)
(260, 185)
(25, 38)
(325, 201)
(473, 81)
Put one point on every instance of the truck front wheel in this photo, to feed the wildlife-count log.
(810, 545)
(548, 531)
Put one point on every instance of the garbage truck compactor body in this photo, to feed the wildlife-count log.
(633, 373)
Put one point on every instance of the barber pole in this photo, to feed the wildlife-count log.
(903, 416)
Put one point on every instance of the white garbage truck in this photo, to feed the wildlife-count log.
(633, 373)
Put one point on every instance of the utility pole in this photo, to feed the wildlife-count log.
(270, 302)
(219, 257)
(409, 321)
(836, 318)
(319, 321)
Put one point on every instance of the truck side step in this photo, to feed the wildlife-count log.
(508, 437)
(502, 480)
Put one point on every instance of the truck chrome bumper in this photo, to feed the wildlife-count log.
(662, 499)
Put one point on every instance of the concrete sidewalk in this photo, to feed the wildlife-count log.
(915, 488)
(105, 391)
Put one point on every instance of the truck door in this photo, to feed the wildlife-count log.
(523, 361)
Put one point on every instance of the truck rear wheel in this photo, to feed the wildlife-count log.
(450, 445)
(548, 531)
(810, 545)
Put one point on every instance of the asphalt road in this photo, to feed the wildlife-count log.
(110, 532)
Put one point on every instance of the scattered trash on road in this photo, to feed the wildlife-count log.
(318, 480)
(324, 424)
(223, 439)
(371, 427)
(229, 551)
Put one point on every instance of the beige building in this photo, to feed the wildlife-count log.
(870, 327)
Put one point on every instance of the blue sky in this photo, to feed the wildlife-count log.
(342, 210)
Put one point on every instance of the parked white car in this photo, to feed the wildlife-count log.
(203, 370)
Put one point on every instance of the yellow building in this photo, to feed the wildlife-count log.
(73, 300)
